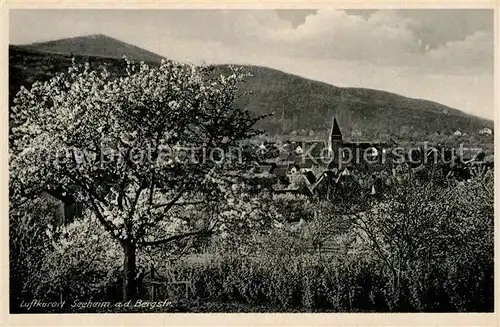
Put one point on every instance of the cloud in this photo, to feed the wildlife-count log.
(475, 52)
(382, 38)
(224, 26)
(295, 16)
(333, 34)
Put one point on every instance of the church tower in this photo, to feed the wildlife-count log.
(335, 141)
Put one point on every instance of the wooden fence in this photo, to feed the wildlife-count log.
(167, 287)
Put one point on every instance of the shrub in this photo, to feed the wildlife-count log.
(83, 264)
(28, 247)
(74, 262)
(430, 248)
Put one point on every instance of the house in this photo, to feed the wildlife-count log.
(304, 182)
(310, 177)
(260, 181)
(293, 168)
(345, 172)
(377, 184)
(280, 171)
(265, 167)
(67, 208)
(457, 133)
(325, 184)
(261, 149)
(485, 131)
(304, 165)
(281, 175)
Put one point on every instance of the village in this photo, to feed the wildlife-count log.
(315, 167)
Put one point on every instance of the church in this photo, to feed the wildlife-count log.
(335, 152)
(344, 153)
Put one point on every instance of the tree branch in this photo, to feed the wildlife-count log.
(104, 222)
(185, 203)
(170, 204)
(136, 199)
(176, 238)
(98, 213)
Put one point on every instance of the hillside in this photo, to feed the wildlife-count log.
(300, 105)
(95, 46)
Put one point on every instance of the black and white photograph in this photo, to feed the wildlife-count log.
(220, 160)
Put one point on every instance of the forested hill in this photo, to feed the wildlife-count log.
(299, 104)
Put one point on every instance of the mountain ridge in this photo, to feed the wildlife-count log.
(299, 103)
(96, 45)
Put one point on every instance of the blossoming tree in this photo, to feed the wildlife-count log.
(133, 149)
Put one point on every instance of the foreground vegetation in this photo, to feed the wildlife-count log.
(430, 249)
(423, 243)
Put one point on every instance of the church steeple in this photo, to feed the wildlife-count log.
(335, 133)
(335, 141)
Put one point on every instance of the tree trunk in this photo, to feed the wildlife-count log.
(129, 272)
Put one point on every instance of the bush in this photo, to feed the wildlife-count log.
(28, 247)
(428, 249)
(74, 262)
(422, 247)
(84, 264)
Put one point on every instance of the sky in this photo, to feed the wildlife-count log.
(442, 55)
